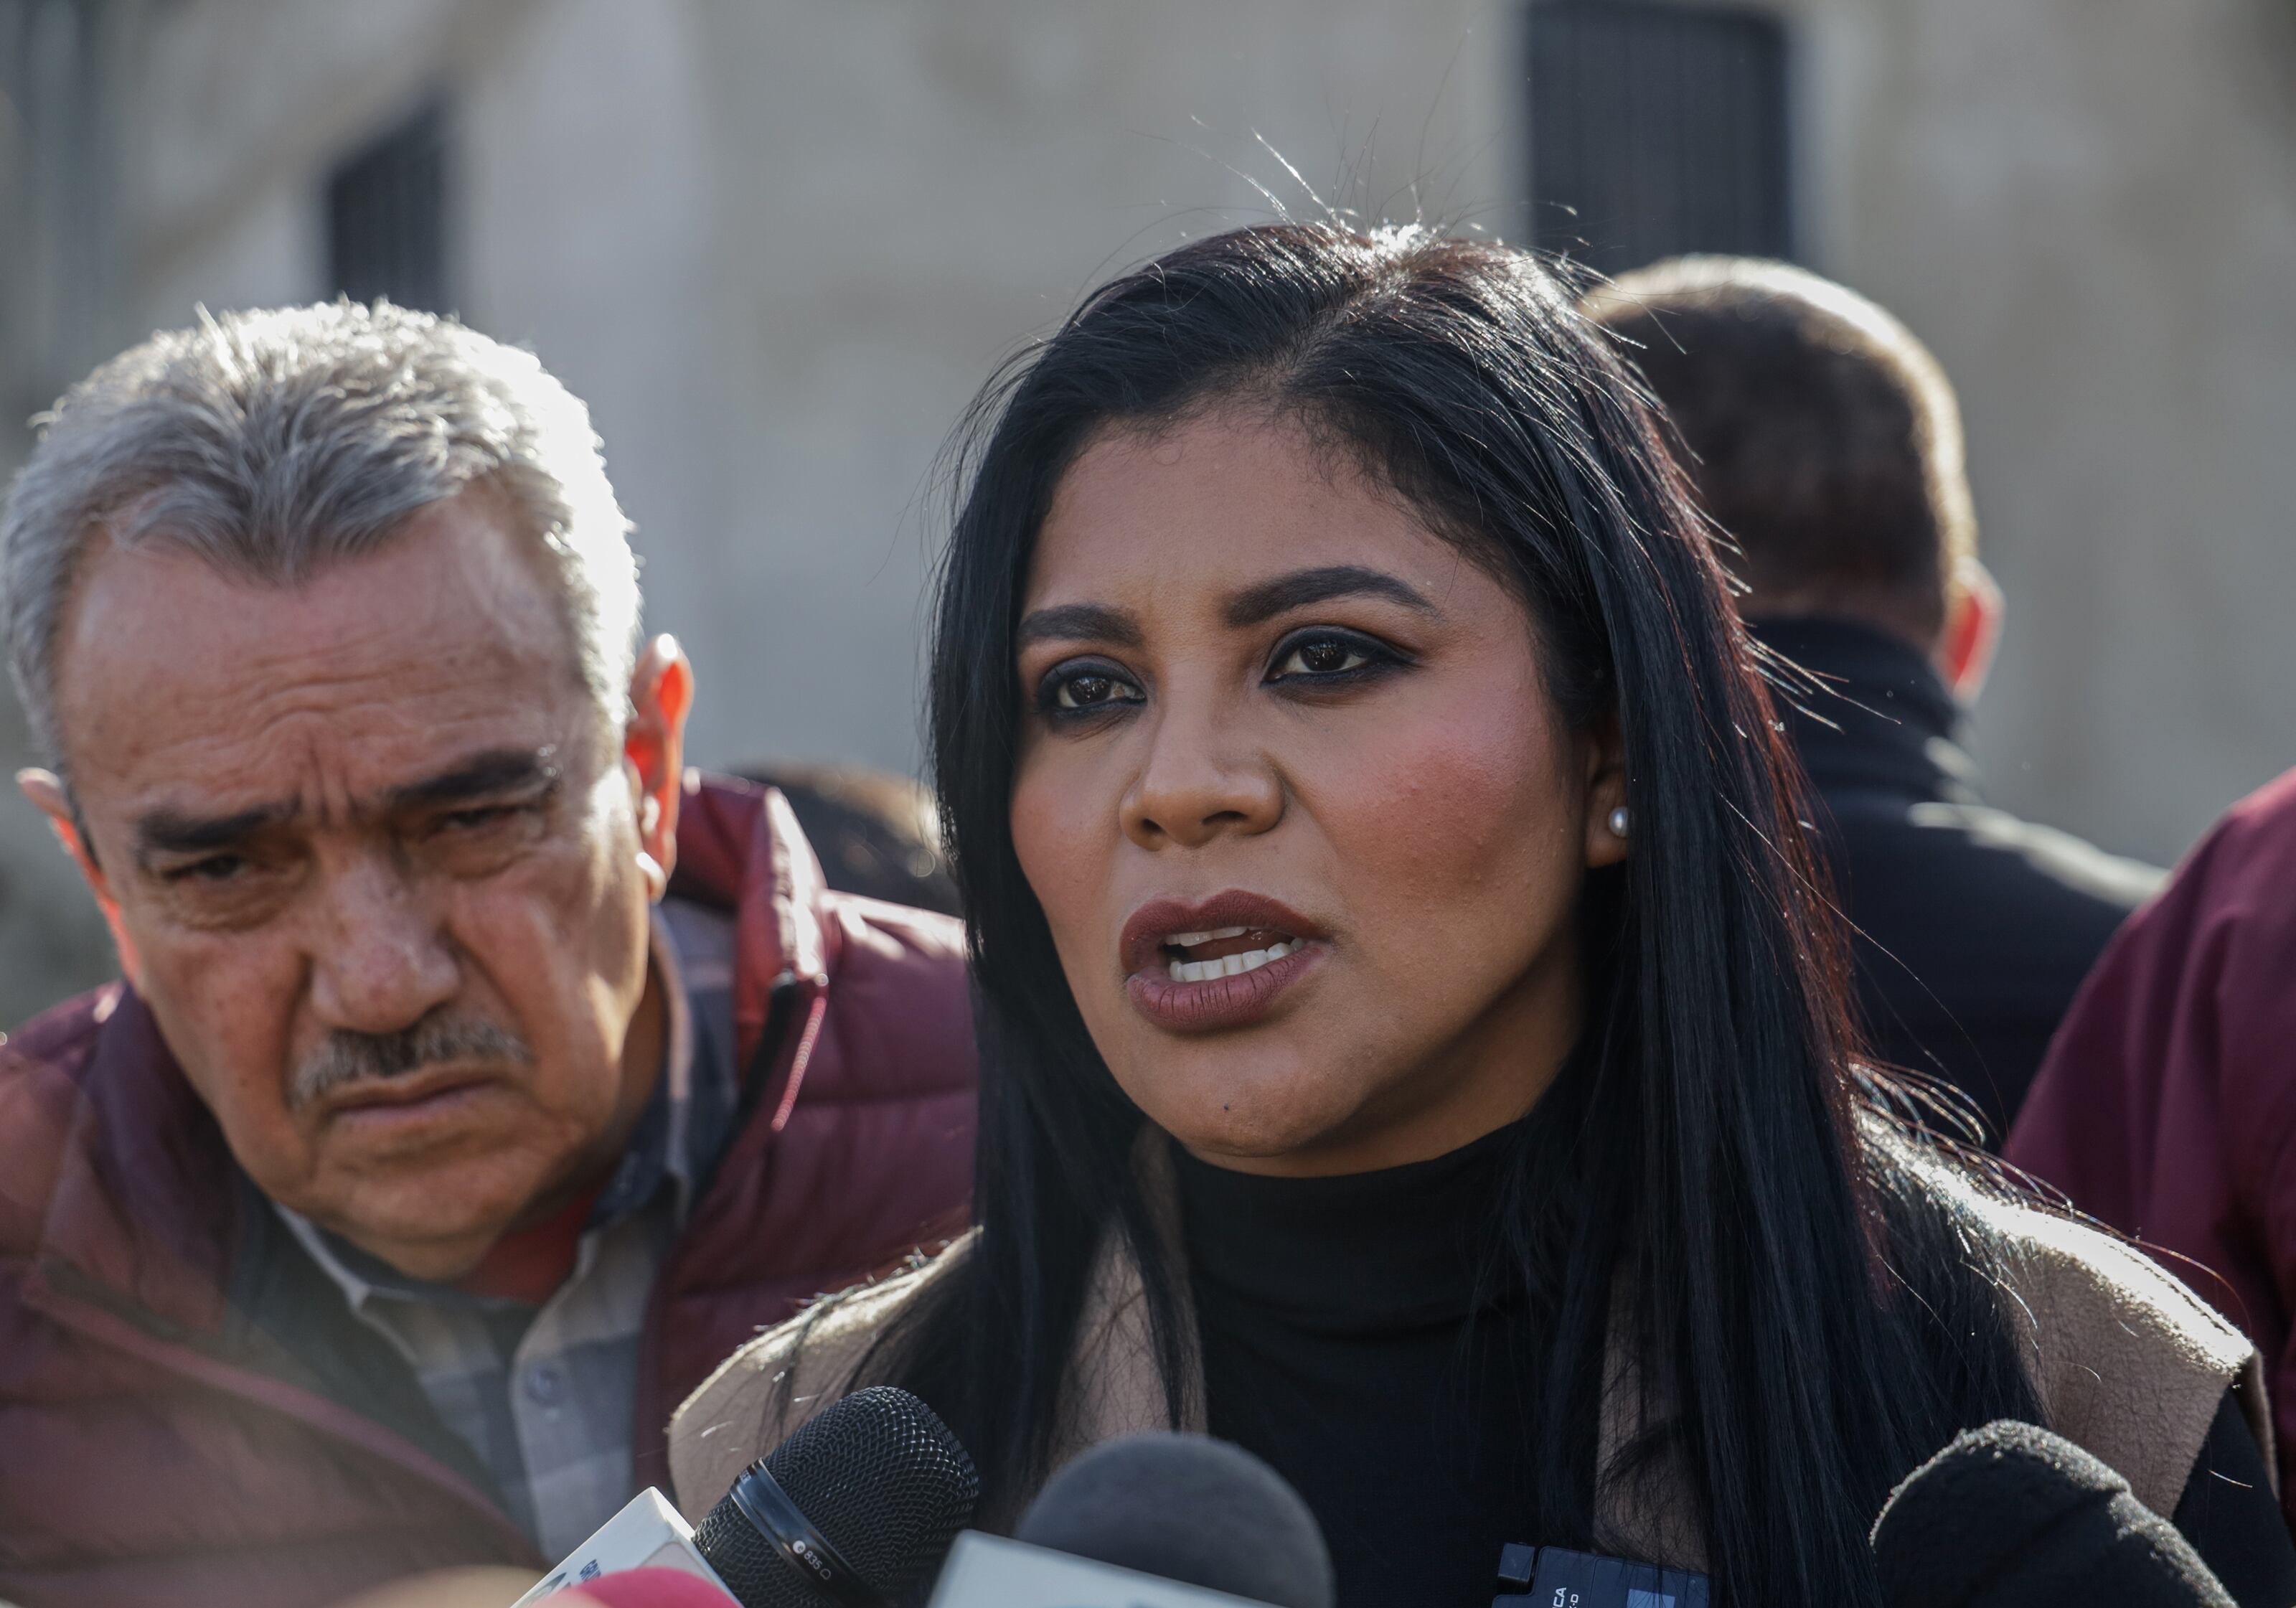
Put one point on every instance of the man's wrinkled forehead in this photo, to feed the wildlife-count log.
(177, 682)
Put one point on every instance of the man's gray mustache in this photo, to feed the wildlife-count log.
(346, 1057)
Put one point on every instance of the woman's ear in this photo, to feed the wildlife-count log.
(1610, 824)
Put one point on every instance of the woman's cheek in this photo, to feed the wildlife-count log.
(1061, 855)
(1445, 802)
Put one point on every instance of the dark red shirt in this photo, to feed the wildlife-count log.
(2167, 1105)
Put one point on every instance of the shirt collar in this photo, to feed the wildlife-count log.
(660, 1146)
(1877, 715)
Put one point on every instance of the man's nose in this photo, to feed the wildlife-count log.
(1202, 779)
(381, 957)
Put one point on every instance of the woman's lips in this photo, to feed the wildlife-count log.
(1255, 949)
(1219, 1002)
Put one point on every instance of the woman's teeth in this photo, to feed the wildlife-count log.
(1228, 966)
(1190, 941)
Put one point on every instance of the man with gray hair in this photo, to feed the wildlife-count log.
(479, 1077)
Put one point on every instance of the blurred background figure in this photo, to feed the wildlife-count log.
(776, 246)
(1824, 440)
(2168, 1103)
(877, 833)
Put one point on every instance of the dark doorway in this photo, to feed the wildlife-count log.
(1657, 129)
(387, 216)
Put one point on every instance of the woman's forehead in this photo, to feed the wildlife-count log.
(1202, 512)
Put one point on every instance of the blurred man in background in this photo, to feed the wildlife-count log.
(1824, 440)
(876, 833)
(479, 1079)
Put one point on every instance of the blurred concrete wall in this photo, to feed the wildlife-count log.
(2088, 208)
(777, 246)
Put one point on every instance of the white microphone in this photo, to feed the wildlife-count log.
(1153, 1521)
(648, 1533)
(988, 1571)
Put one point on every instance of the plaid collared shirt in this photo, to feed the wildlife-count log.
(545, 1395)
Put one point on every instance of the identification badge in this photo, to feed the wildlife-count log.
(1555, 1576)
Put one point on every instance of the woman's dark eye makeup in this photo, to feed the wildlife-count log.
(1084, 686)
(1311, 659)
(1329, 656)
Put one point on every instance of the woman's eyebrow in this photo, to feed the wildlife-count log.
(1255, 606)
(1069, 622)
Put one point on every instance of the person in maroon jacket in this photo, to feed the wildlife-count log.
(479, 1077)
(2167, 1105)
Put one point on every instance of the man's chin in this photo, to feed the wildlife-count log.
(432, 1210)
(429, 1250)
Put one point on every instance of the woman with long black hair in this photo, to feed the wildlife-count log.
(1413, 1045)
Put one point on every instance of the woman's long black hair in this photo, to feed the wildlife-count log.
(1810, 1321)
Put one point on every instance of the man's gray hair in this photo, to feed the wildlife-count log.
(273, 444)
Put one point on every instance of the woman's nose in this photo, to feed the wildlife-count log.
(1197, 785)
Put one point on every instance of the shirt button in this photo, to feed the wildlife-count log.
(545, 1385)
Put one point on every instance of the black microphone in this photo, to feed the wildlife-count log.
(855, 1510)
(2011, 1514)
(1187, 1508)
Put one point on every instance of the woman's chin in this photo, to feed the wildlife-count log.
(1264, 1134)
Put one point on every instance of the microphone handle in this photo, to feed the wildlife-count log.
(648, 1533)
(778, 1525)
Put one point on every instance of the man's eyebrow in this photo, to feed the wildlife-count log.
(1069, 622)
(497, 770)
(501, 770)
(1256, 605)
(165, 831)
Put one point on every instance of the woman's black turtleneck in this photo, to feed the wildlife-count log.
(1351, 1337)
(1356, 1335)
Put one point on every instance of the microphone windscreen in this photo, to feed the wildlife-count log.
(2012, 1514)
(652, 1589)
(877, 1475)
(1187, 1508)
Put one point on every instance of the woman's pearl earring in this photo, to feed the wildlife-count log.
(1620, 822)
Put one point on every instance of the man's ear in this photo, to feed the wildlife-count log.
(1607, 793)
(48, 793)
(1973, 629)
(654, 753)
